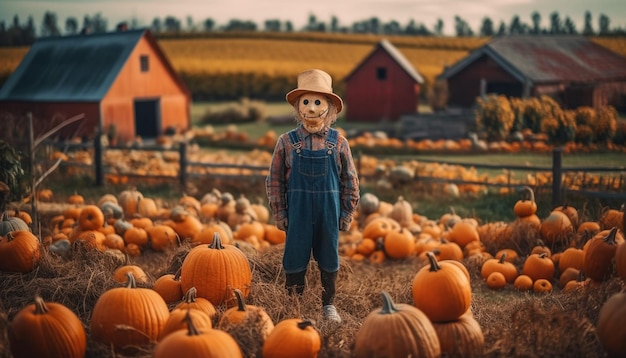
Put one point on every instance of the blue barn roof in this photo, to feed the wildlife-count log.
(78, 68)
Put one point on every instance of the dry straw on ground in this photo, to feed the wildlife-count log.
(514, 323)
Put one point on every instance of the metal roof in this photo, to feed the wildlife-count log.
(549, 59)
(396, 55)
(77, 68)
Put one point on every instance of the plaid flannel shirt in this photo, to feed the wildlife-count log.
(280, 169)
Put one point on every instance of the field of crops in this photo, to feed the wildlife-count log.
(284, 55)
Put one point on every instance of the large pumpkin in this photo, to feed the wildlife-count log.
(396, 330)
(47, 330)
(599, 253)
(610, 327)
(20, 251)
(216, 270)
(441, 290)
(128, 317)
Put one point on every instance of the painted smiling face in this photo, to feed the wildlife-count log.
(313, 109)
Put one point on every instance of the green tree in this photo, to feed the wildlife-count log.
(486, 29)
(569, 27)
(71, 25)
(516, 27)
(556, 27)
(439, 27)
(536, 19)
(49, 25)
(208, 24)
(588, 30)
(604, 23)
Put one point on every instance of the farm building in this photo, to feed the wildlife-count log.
(573, 70)
(120, 80)
(382, 87)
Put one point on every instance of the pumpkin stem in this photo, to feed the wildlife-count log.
(388, 306)
(502, 258)
(190, 295)
(531, 193)
(131, 283)
(241, 305)
(304, 324)
(40, 306)
(610, 237)
(434, 264)
(191, 328)
(217, 242)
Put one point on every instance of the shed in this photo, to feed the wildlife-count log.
(382, 87)
(574, 70)
(118, 79)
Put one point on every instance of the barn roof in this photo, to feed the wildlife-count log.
(396, 55)
(78, 68)
(549, 59)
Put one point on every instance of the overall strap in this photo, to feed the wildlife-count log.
(331, 139)
(295, 139)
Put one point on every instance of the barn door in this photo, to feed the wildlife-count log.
(147, 118)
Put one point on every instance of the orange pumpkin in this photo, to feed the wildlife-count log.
(47, 329)
(215, 271)
(293, 337)
(441, 290)
(91, 218)
(193, 342)
(20, 251)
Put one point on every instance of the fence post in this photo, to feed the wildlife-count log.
(97, 146)
(182, 155)
(557, 175)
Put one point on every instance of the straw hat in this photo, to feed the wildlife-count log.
(316, 81)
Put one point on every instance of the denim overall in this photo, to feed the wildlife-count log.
(313, 198)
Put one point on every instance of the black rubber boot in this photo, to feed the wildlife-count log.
(294, 282)
(328, 287)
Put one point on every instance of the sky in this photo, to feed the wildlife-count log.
(426, 12)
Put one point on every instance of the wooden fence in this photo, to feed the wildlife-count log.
(187, 173)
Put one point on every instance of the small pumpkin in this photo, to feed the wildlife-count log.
(47, 329)
(91, 217)
(177, 321)
(538, 266)
(121, 274)
(168, 286)
(11, 223)
(461, 338)
(396, 330)
(526, 207)
(293, 337)
(194, 342)
(192, 301)
(246, 321)
(20, 251)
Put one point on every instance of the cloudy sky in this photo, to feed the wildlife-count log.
(347, 11)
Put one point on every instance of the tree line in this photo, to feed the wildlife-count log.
(23, 34)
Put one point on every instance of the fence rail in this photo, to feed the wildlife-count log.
(188, 171)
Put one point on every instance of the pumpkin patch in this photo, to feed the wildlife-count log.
(149, 279)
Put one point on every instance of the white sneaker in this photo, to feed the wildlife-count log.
(330, 314)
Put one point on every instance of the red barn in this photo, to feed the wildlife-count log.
(118, 79)
(573, 70)
(382, 87)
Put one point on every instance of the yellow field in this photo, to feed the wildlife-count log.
(286, 54)
(286, 58)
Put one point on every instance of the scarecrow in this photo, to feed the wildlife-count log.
(312, 187)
